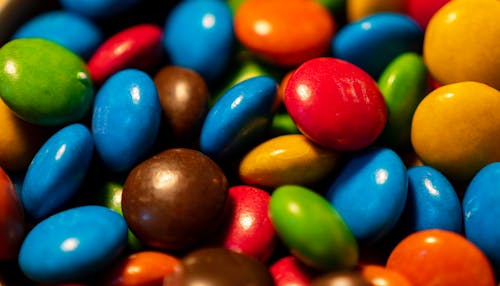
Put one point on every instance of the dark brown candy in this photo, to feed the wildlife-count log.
(184, 100)
(219, 267)
(175, 199)
(341, 278)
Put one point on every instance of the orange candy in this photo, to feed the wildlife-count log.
(381, 276)
(441, 258)
(284, 32)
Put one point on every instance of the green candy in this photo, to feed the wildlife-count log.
(44, 83)
(312, 229)
(403, 85)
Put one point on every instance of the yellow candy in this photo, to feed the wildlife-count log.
(462, 42)
(456, 129)
(287, 159)
(358, 9)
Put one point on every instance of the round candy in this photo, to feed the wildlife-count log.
(374, 41)
(341, 278)
(57, 171)
(287, 159)
(381, 276)
(335, 104)
(126, 119)
(441, 258)
(138, 47)
(288, 271)
(481, 212)
(73, 244)
(370, 193)
(423, 10)
(12, 225)
(98, 8)
(461, 42)
(199, 36)
(301, 216)
(174, 199)
(70, 30)
(358, 9)
(462, 119)
(239, 118)
(268, 34)
(219, 267)
(48, 87)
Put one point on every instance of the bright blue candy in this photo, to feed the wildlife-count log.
(126, 119)
(199, 35)
(481, 210)
(98, 9)
(370, 193)
(239, 117)
(431, 203)
(374, 41)
(57, 171)
(70, 30)
(73, 244)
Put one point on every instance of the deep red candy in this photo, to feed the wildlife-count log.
(289, 271)
(423, 10)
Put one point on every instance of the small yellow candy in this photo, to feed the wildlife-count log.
(456, 129)
(462, 42)
(287, 159)
(358, 9)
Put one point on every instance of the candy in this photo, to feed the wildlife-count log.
(125, 119)
(57, 171)
(343, 278)
(470, 108)
(359, 9)
(423, 10)
(49, 87)
(335, 104)
(98, 8)
(381, 276)
(289, 271)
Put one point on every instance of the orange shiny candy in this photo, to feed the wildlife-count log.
(381, 276)
(441, 258)
(284, 32)
(145, 268)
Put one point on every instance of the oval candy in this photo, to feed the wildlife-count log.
(288, 271)
(359, 9)
(98, 9)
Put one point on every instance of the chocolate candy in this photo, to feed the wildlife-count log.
(344, 278)
(175, 199)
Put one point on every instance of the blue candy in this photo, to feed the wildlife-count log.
(239, 118)
(98, 9)
(73, 244)
(126, 119)
(481, 210)
(373, 42)
(57, 171)
(199, 35)
(70, 30)
(370, 193)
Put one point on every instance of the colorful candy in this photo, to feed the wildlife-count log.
(289, 271)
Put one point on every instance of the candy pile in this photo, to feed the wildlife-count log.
(250, 142)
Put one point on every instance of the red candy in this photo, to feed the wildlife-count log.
(289, 271)
(423, 10)
(335, 104)
(138, 47)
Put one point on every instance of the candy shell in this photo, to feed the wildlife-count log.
(57, 171)
(98, 9)
(126, 119)
(288, 271)
(50, 87)
(381, 276)
(341, 278)
(455, 129)
(359, 9)
(370, 193)
(423, 10)
(73, 244)
(301, 216)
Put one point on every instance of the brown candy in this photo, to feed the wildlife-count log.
(175, 199)
(184, 100)
(341, 278)
(219, 267)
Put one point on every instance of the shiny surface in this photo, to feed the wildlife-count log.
(461, 42)
(441, 258)
(268, 34)
(370, 193)
(287, 159)
(378, 275)
(57, 171)
(341, 278)
(481, 212)
(184, 99)
(246, 226)
(289, 271)
(62, 75)
(98, 8)
(423, 10)
(174, 199)
(219, 267)
(137, 46)
(239, 118)
(335, 104)
(301, 216)
(464, 116)
(12, 223)
(199, 36)
(374, 41)
(359, 9)
(73, 244)
(126, 119)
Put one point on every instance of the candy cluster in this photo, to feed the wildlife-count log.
(250, 142)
